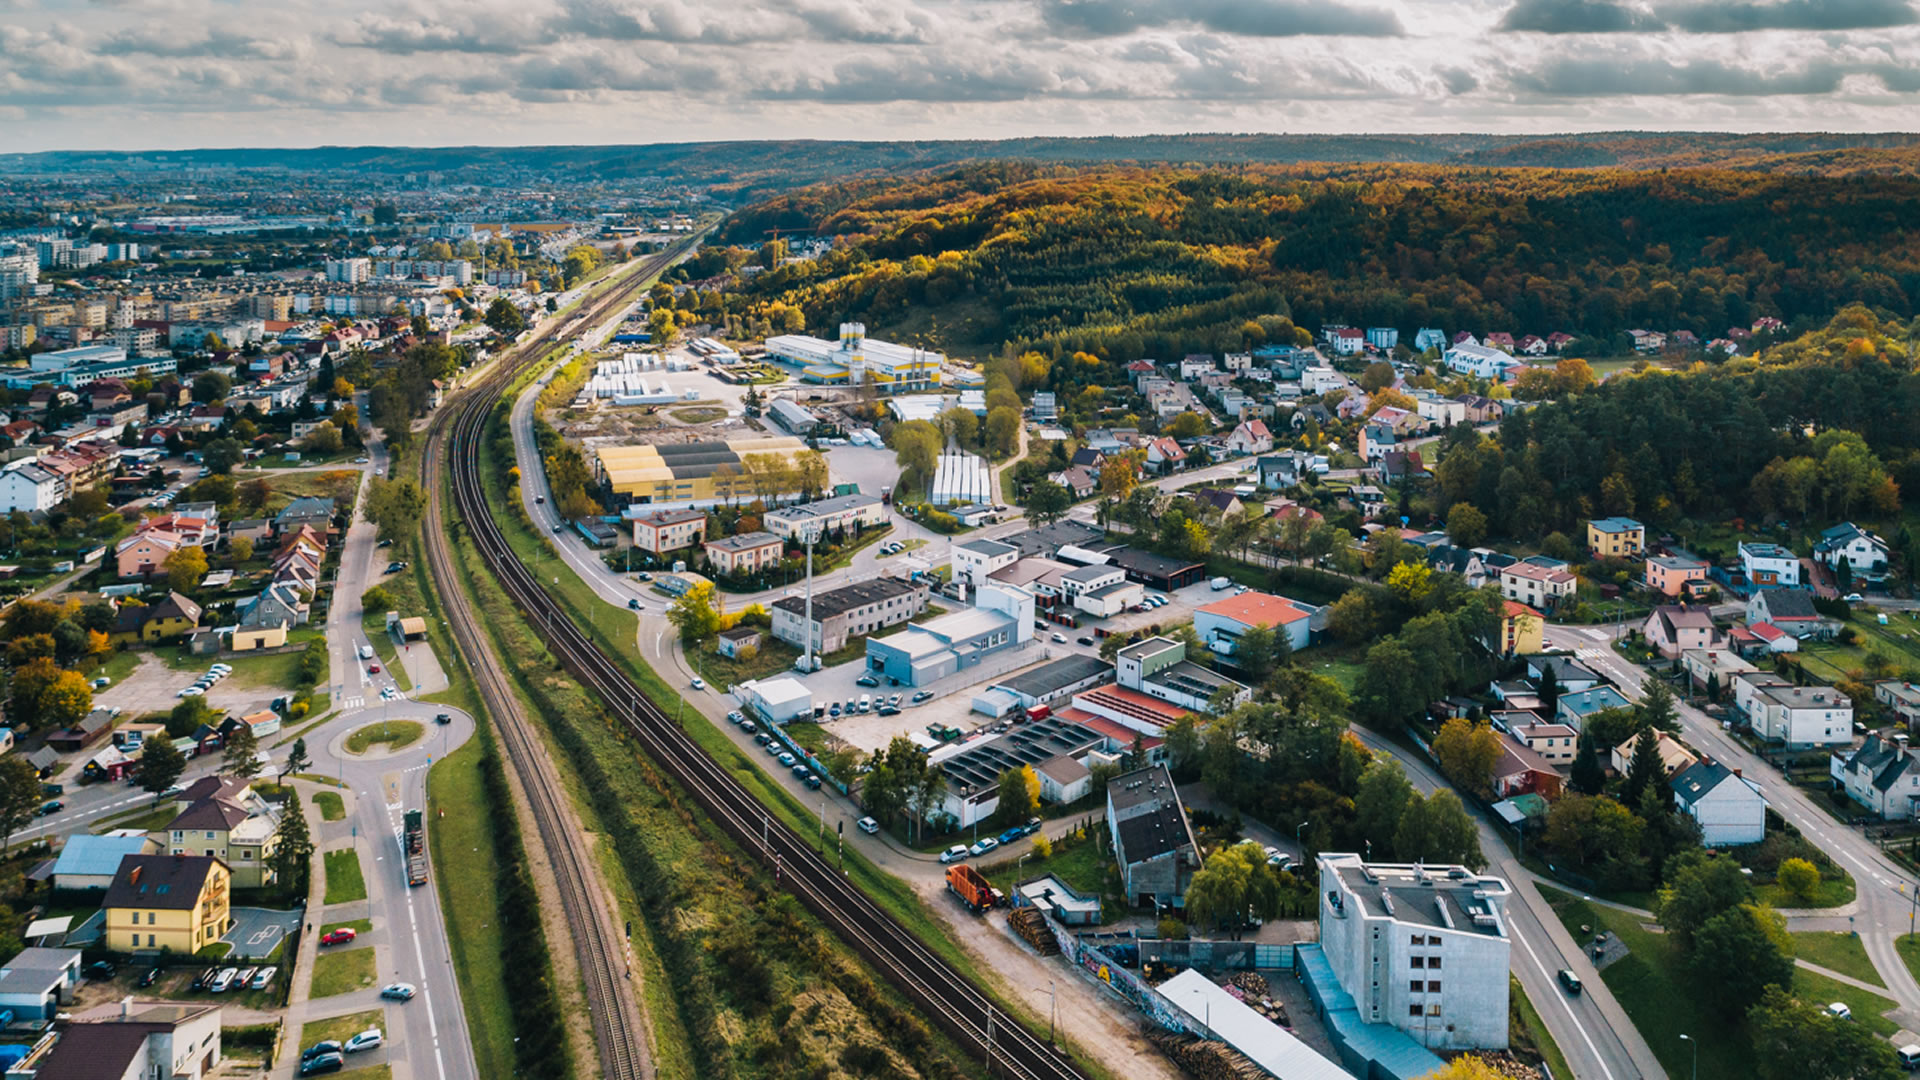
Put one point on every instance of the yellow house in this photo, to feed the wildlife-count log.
(263, 637)
(1616, 538)
(1522, 629)
(234, 828)
(177, 902)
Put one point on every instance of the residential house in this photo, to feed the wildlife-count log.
(1769, 566)
(239, 828)
(1674, 758)
(1222, 623)
(1558, 744)
(1480, 361)
(1216, 501)
(1440, 411)
(1521, 771)
(1522, 629)
(1278, 472)
(1081, 481)
(1251, 437)
(1165, 455)
(839, 515)
(1675, 628)
(1538, 587)
(1714, 667)
(661, 531)
(745, 553)
(1800, 717)
(315, 512)
(1676, 573)
(1881, 775)
(1345, 340)
(1395, 466)
(1429, 337)
(1788, 610)
(139, 1040)
(1863, 553)
(1615, 538)
(27, 488)
(732, 643)
(1574, 708)
(1479, 409)
(1728, 807)
(1088, 458)
(1530, 345)
(1647, 340)
(1559, 340)
(1900, 696)
(174, 617)
(1152, 840)
(177, 902)
(975, 560)
(36, 983)
(1570, 675)
(1772, 639)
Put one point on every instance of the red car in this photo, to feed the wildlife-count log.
(337, 937)
(373, 669)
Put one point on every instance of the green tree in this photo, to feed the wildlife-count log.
(1797, 1040)
(293, 848)
(1800, 878)
(19, 796)
(1597, 837)
(1438, 829)
(185, 567)
(1019, 795)
(161, 764)
(1588, 776)
(1466, 526)
(1256, 653)
(237, 754)
(376, 600)
(1738, 954)
(241, 548)
(1235, 883)
(1003, 431)
(1047, 502)
(503, 318)
(1700, 885)
(1549, 689)
(221, 456)
(396, 506)
(1467, 753)
(1379, 803)
(1378, 376)
(211, 386)
(1645, 771)
(694, 614)
(1656, 709)
(297, 759)
(1188, 425)
(1386, 692)
(67, 700)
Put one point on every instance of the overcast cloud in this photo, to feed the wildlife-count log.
(157, 74)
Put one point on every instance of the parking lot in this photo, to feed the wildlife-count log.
(257, 931)
(152, 685)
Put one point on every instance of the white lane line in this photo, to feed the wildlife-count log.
(1568, 1009)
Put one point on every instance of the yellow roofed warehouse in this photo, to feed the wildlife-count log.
(684, 474)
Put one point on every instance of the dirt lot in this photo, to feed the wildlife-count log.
(152, 686)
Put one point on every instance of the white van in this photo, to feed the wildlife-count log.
(1909, 1057)
(1220, 583)
(366, 652)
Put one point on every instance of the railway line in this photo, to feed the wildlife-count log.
(1007, 1047)
(619, 1034)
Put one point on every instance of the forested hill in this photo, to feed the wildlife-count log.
(1130, 262)
(742, 171)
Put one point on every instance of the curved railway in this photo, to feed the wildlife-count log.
(953, 1002)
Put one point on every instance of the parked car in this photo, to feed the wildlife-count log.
(747, 726)
(223, 980)
(1059, 639)
(787, 759)
(244, 979)
(325, 1046)
(1033, 825)
(325, 1063)
(262, 977)
(343, 936)
(834, 709)
(1839, 1010)
(1569, 981)
(813, 781)
(99, 969)
(799, 770)
(954, 854)
(201, 980)
(370, 1039)
(1853, 598)
(867, 825)
(866, 680)
(983, 846)
(397, 992)
(1013, 834)
(923, 695)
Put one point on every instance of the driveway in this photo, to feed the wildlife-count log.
(257, 931)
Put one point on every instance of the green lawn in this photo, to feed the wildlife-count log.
(144, 820)
(371, 1072)
(771, 657)
(1898, 642)
(341, 1028)
(276, 670)
(332, 806)
(1908, 946)
(342, 972)
(1833, 891)
(811, 736)
(462, 834)
(1836, 951)
(1866, 1005)
(1526, 1029)
(358, 926)
(1081, 865)
(394, 734)
(345, 883)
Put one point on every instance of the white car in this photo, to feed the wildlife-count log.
(370, 1039)
(1853, 598)
(954, 854)
(191, 691)
(867, 825)
(388, 693)
(224, 669)
(699, 683)
(261, 978)
(1059, 639)
(223, 980)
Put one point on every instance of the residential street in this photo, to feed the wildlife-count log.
(1885, 899)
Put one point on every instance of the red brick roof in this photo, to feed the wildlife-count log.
(1257, 609)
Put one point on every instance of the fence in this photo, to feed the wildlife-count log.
(1130, 987)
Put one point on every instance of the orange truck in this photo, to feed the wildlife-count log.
(971, 887)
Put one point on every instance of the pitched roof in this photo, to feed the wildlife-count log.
(215, 814)
(89, 855)
(1513, 608)
(1787, 604)
(1702, 779)
(165, 882)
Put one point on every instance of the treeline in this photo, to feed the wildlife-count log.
(1132, 262)
(1818, 427)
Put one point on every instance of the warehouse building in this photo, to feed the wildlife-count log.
(848, 611)
(973, 769)
(858, 360)
(961, 477)
(1002, 618)
(1056, 679)
(683, 474)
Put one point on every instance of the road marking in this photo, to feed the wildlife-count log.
(1561, 998)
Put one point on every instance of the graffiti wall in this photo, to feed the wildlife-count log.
(1107, 971)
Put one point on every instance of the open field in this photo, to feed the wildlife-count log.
(342, 972)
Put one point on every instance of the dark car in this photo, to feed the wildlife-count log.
(385, 543)
(1013, 834)
(201, 980)
(1086, 641)
(99, 969)
(329, 1046)
(813, 781)
(53, 807)
(148, 979)
(442, 718)
(866, 680)
(1569, 981)
(923, 695)
(325, 1063)
(633, 603)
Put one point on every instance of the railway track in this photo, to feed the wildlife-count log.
(619, 1034)
(953, 1002)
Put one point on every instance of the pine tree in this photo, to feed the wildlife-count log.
(295, 848)
(1588, 777)
(1656, 709)
(1713, 688)
(1644, 772)
(1549, 689)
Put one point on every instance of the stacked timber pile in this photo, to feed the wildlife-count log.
(1251, 989)
(1205, 1059)
(1032, 926)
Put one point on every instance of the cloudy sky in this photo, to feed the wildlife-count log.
(157, 74)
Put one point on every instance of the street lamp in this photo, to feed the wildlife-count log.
(1052, 1012)
(1695, 1043)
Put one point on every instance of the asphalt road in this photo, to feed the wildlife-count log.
(1885, 900)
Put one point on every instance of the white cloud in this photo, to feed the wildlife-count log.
(166, 73)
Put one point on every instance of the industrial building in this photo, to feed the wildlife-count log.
(1158, 667)
(961, 477)
(848, 611)
(1055, 679)
(826, 517)
(776, 701)
(1002, 618)
(973, 769)
(858, 360)
(1423, 948)
(1152, 840)
(682, 474)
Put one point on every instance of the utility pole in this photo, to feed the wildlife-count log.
(807, 661)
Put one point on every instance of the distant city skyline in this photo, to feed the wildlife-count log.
(178, 74)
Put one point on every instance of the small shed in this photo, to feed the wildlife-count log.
(111, 763)
(733, 641)
(90, 862)
(412, 628)
(995, 703)
(777, 700)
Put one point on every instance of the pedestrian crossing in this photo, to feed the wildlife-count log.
(1591, 654)
(352, 702)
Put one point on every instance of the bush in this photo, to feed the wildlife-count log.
(256, 1036)
(1799, 878)
(1172, 929)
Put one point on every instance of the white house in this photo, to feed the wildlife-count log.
(1727, 805)
(1543, 588)
(1770, 566)
(974, 560)
(1881, 776)
(1346, 340)
(36, 982)
(1441, 411)
(1798, 716)
(1251, 437)
(1222, 623)
(1319, 380)
(28, 487)
(1481, 361)
(1864, 553)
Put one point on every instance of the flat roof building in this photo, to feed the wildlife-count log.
(848, 611)
(857, 359)
(682, 474)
